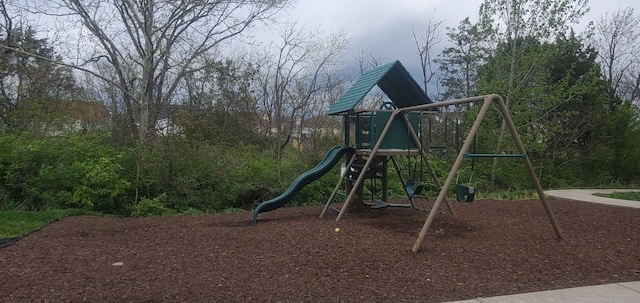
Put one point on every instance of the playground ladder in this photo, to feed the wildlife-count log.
(360, 171)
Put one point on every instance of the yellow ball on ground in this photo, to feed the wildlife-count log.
(337, 230)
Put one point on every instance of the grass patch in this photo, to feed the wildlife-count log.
(632, 195)
(16, 223)
(508, 195)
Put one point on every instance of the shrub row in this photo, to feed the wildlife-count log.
(171, 176)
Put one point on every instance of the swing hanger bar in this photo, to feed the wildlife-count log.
(522, 156)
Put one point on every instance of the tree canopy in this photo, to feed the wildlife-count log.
(188, 115)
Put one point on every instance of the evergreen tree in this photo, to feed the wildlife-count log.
(459, 63)
(29, 86)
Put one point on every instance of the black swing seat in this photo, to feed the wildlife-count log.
(465, 193)
(413, 189)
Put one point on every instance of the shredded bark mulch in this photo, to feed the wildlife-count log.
(491, 248)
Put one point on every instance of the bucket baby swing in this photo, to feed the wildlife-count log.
(466, 193)
(414, 185)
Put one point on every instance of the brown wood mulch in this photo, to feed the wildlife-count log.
(291, 255)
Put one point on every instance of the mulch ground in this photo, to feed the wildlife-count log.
(491, 248)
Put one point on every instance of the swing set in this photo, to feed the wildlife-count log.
(382, 135)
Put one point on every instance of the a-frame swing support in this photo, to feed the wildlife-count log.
(487, 100)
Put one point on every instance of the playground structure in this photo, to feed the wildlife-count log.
(375, 137)
(403, 140)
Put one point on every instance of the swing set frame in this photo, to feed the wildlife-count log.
(486, 101)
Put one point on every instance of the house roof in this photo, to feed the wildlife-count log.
(394, 80)
(83, 111)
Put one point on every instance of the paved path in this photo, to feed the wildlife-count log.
(628, 292)
(586, 195)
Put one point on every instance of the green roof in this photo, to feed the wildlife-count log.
(394, 80)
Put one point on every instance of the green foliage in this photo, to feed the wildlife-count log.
(622, 131)
(153, 207)
(199, 176)
(508, 195)
(559, 109)
(15, 223)
(62, 172)
(92, 184)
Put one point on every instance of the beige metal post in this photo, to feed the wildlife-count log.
(527, 163)
(454, 169)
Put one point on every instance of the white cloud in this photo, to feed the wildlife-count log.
(384, 27)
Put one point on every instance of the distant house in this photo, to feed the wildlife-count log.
(301, 131)
(315, 127)
(319, 126)
(77, 116)
(165, 125)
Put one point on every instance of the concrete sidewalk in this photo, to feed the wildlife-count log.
(628, 292)
(586, 195)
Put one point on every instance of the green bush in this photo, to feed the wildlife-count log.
(153, 207)
(94, 184)
(62, 172)
(199, 176)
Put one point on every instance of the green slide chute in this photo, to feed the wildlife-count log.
(333, 156)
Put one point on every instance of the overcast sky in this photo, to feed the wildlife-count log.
(384, 27)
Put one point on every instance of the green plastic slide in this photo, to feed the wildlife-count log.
(333, 156)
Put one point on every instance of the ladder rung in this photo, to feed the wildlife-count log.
(349, 179)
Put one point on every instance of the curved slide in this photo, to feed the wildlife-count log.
(333, 156)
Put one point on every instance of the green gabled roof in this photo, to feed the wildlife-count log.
(394, 80)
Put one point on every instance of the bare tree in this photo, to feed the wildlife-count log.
(425, 42)
(368, 59)
(617, 40)
(7, 24)
(149, 46)
(153, 44)
(295, 70)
